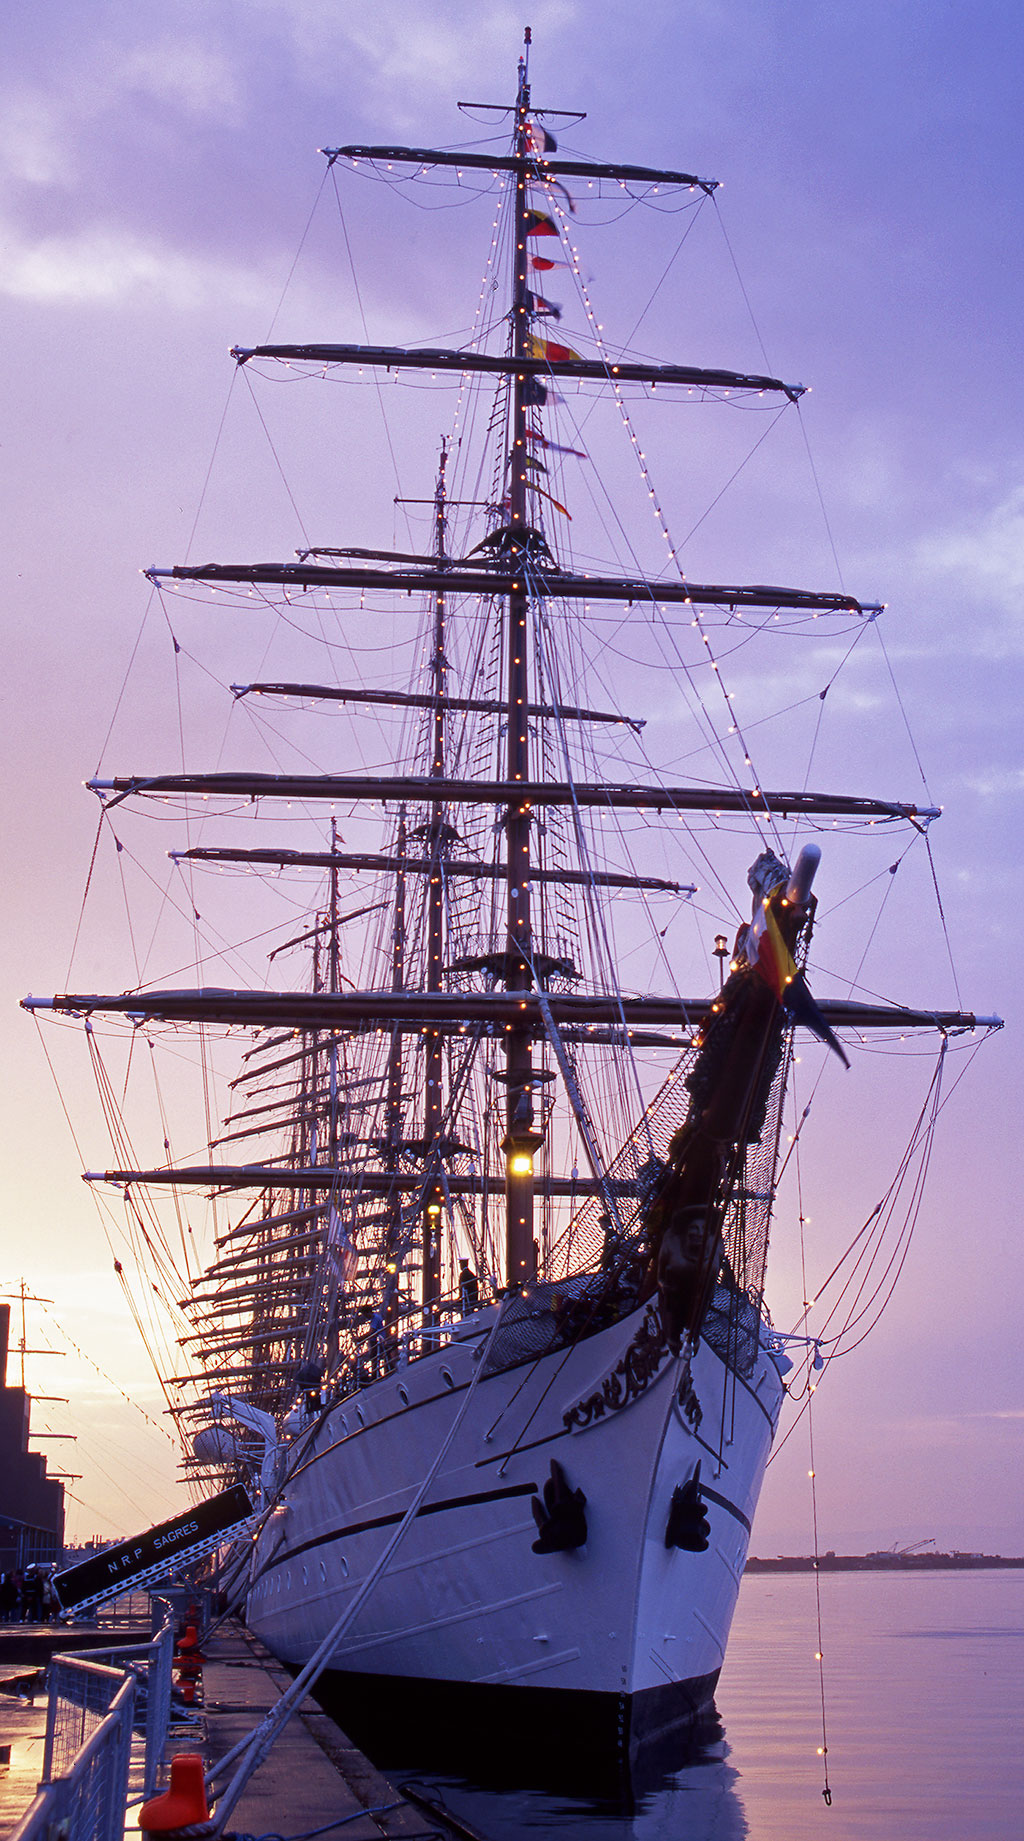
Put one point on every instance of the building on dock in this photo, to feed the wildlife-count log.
(31, 1502)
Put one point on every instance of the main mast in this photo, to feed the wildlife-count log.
(437, 841)
(394, 1248)
(520, 1141)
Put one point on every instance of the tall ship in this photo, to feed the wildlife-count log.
(494, 1175)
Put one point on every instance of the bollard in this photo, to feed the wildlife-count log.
(183, 1806)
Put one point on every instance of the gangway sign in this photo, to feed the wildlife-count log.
(149, 1557)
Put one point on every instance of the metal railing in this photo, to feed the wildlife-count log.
(107, 1725)
(89, 1802)
(80, 1693)
(189, 1604)
(128, 1611)
(150, 1664)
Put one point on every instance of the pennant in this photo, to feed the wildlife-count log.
(553, 352)
(529, 460)
(558, 187)
(538, 224)
(538, 140)
(555, 447)
(534, 393)
(547, 309)
(340, 1250)
(551, 501)
(542, 262)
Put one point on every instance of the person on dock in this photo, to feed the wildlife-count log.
(8, 1598)
(32, 1600)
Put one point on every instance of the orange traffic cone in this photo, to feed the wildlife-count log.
(183, 1804)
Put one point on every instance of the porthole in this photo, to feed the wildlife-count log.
(446, 1376)
(403, 1395)
(323, 1572)
(343, 1563)
(359, 1415)
(305, 1576)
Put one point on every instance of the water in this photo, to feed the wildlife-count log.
(924, 1712)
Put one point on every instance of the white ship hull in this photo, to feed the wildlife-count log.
(636, 1627)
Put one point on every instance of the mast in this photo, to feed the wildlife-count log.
(393, 1246)
(332, 1146)
(520, 1140)
(438, 839)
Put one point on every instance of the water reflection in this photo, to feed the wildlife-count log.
(925, 1707)
(686, 1789)
(699, 1803)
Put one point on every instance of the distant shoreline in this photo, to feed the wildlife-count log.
(881, 1562)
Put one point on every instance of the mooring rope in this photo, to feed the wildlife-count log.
(253, 1750)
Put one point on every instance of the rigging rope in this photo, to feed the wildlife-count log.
(813, 1475)
(69, 1339)
(366, 334)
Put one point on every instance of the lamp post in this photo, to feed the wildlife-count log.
(721, 950)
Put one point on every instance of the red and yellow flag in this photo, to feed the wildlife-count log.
(566, 513)
(766, 948)
(551, 350)
(774, 961)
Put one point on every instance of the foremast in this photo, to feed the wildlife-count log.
(521, 1140)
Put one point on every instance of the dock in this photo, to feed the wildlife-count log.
(22, 1730)
(313, 1773)
(313, 1776)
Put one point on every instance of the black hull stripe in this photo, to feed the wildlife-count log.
(712, 1450)
(723, 1502)
(282, 1557)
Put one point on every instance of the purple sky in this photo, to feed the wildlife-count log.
(158, 169)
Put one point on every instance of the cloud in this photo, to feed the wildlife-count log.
(943, 1426)
(871, 465)
(41, 128)
(988, 554)
(192, 75)
(105, 266)
(411, 51)
(997, 782)
(30, 139)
